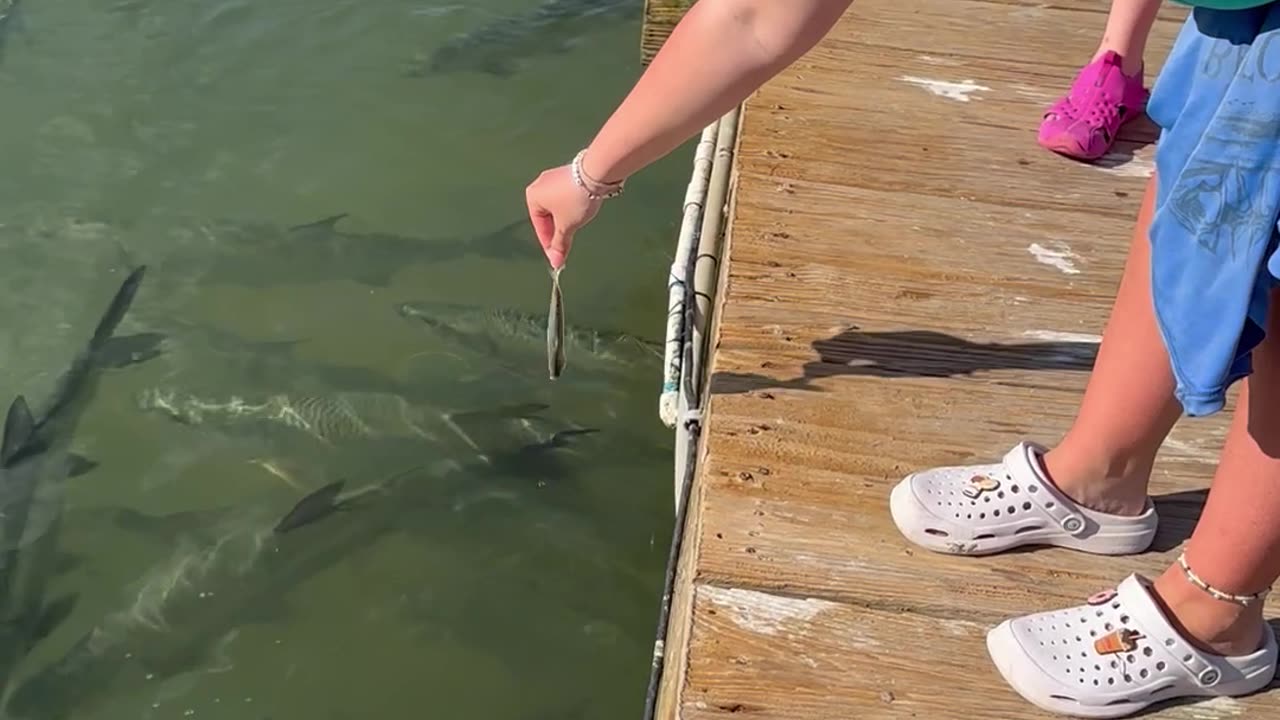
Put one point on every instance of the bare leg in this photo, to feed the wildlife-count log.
(1117, 639)
(1128, 25)
(1105, 460)
(1236, 545)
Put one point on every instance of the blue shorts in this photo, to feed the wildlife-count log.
(1214, 231)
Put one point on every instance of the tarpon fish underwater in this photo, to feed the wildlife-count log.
(200, 356)
(187, 253)
(498, 47)
(235, 570)
(263, 254)
(488, 331)
(332, 418)
(35, 463)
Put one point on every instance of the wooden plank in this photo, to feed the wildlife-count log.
(660, 17)
(679, 624)
(910, 282)
(775, 657)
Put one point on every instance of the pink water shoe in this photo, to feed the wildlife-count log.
(1083, 124)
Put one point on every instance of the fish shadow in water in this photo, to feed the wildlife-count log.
(124, 351)
(913, 353)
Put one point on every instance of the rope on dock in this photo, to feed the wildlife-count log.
(706, 263)
(694, 429)
(690, 315)
(677, 282)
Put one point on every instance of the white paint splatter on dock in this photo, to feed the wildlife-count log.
(1060, 258)
(762, 613)
(958, 91)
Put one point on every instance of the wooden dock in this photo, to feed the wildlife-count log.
(910, 282)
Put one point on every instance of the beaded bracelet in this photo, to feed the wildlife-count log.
(595, 189)
(1245, 600)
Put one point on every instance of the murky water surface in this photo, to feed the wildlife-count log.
(342, 308)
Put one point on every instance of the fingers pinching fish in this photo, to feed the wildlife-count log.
(555, 328)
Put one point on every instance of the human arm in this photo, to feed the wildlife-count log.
(719, 53)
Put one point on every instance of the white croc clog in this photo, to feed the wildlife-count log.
(985, 509)
(1116, 655)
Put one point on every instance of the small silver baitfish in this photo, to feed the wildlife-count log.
(555, 328)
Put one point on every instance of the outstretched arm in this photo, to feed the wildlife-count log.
(719, 53)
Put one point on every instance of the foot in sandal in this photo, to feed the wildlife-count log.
(986, 509)
(1084, 123)
(1119, 653)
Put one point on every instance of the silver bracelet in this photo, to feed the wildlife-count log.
(601, 190)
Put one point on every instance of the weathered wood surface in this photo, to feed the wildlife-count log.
(660, 16)
(910, 282)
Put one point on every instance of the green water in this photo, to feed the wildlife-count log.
(190, 135)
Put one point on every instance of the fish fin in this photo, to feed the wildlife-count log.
(117, 309)
(124, 351)
(314, 506)
(19, 427)
(72, 381)
(329, 223)
(562, 438)
(52, 615)
(80, 465)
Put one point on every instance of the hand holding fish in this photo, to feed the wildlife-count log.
(561, 200)
(736, 45)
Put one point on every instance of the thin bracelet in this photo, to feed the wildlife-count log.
(595, 189)
(1245, 600)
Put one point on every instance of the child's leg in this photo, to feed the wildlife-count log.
(1098, 474)
(1108, 92)
(1146, 643)
(1236, 545)
(1128, 25)
(1105, 459)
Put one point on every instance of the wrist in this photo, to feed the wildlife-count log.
(591, 183)
(599, 168)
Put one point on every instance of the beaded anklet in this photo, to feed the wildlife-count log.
(1245, 600)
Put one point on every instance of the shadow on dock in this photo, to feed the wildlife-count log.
(913, 353)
